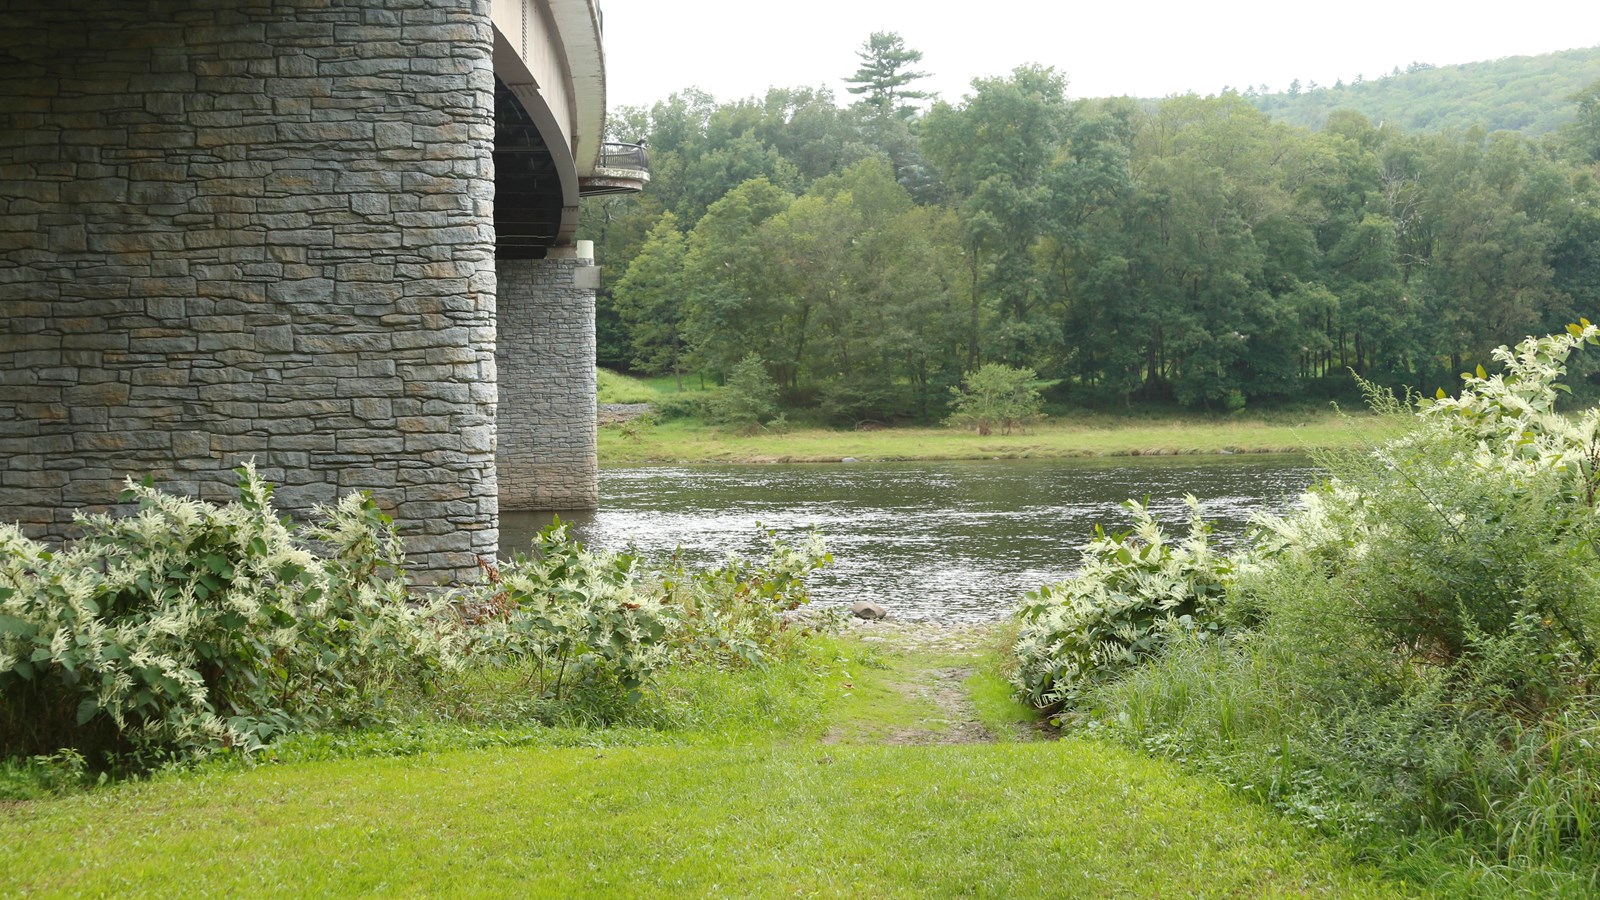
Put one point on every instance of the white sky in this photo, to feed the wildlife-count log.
(736, 48)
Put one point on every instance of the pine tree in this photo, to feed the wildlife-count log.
(884, 73)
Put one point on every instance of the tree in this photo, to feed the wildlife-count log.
(736, 302)
(993, 151)
(1585, 130)
(996, 395)
(884, 74)
(1191, 251)
(749, 398)
(650, 300)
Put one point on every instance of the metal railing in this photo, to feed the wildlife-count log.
(624, 156)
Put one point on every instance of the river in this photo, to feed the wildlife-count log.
(931, 541)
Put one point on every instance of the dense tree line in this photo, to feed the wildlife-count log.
(1521, 93)
(1189, 251)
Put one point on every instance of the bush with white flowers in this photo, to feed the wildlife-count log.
(191, 627)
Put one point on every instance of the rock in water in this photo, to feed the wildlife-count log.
(866, 609)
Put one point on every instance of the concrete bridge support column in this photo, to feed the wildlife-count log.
(241, 229)
(546, 430)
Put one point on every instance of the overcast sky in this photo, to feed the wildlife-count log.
(736, 48)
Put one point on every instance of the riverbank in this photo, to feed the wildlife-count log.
(681, 441)
(911, 781)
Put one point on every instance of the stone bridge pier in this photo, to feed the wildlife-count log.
(272, 230)
(546, 447)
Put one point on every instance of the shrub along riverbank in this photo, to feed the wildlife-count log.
(190, 630)
(1408, 660)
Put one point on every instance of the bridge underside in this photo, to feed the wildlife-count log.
(528, 192)
(270, 231)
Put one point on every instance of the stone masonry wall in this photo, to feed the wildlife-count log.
(546, 457)
(236, 229)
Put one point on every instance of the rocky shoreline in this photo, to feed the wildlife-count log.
(926, 637)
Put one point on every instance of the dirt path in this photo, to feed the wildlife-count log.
(914, 689)
(957, 722)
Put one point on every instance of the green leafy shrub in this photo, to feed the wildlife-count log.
(577, 620)
(850, 400)
(1443, 554)
(733, 615)
(591, 629)
(190, 628)
(748, 399)
(684, 406)
(996, 396)
(1133, 589)
(31, 778)
(193, 627)
(1409, 657)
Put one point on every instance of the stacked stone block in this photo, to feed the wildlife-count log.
(546, 457)
(250, 229)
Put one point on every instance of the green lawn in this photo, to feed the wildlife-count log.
(1070, 435)
(615, 387)
(1059, 818)
(1085, 435)
(777, 814)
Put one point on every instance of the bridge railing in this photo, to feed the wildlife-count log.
(624, 156)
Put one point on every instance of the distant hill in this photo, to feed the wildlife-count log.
(1519, 93)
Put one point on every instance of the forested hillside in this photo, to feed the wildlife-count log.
(1193, 251)
(1530, 94)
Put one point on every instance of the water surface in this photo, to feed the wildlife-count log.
(946, 541)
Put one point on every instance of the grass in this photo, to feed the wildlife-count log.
(1085, 435)
(1069, 435)
(614, 387)
(994, 700)
(1063, 819)
(733, 795)
(877, 703)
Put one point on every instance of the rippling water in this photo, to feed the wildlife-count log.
(946, 541)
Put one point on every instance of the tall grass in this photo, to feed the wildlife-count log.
(1423, 783)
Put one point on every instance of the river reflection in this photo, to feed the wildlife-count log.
(946, 541)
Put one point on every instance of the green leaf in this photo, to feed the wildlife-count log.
(87, 709)
(1482, 373)
(14, 625)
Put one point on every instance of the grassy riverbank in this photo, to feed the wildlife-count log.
(1083, 435)
(879, 778)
